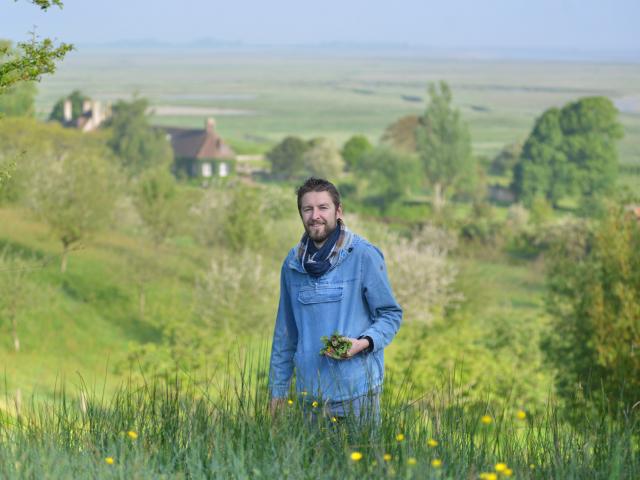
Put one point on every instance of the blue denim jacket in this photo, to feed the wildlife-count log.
(352, 298)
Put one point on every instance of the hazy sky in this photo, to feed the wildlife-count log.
(593, 25)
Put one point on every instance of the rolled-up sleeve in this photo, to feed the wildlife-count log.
(285, 340)
(386, 313)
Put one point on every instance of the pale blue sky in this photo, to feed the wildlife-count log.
(588, 25)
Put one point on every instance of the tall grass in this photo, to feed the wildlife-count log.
(222, 428)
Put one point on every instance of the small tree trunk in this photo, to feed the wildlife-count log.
(438, 197)
(16, 340)
(65, 253)
(141, 300)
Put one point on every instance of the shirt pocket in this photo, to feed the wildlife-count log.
(320, 294)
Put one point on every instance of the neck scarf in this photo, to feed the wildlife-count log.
(317, 261)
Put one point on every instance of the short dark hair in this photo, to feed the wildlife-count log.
(313, 184)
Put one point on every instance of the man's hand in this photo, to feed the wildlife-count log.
(276, 405)
(356, 347)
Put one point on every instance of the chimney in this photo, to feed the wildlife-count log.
(210, 124)
(96, 114)
(67, 111)
(86, 106)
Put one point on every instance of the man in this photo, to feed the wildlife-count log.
(332, 281)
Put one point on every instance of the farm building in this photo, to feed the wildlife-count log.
(92, 116)
(200, 153)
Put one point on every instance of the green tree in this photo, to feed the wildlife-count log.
(594, 285)
(158, 203)
(544, 169)
(591, 129)
(32, 59)
(18, 100)
(354, 149)
(389, 175)
(27, 63)
(243, 225)
(77, 99)
(444, 145)
(138, 145)
(74, 191)
(287, 158)
(161, 209)
(504, 162)
(323, 159)
(570, 151)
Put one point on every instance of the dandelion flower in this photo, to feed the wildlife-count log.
(521, 415)
(432, 443)
(132, 435)
(507, 472)
(109, 461)
(356, 456)
(500, 467)
(387, 457)
(400, 437)
(412, 461)
(436, 463)
(488, 476)
(486, 419)
(334, 419)
(314, 404)
(290, 402)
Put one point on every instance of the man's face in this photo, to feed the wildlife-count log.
(319, 215)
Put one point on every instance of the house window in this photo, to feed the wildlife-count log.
(206, 170)
(223, 169)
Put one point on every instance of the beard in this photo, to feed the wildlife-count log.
(320, 231)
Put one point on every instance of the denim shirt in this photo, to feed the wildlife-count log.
(353, 298)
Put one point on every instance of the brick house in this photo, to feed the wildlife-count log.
(200, 153)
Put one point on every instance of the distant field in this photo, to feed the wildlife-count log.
(261, 96)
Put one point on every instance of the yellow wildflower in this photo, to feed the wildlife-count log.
(290, 402)
(488, 476)
(507, 472)
(412, 461)
(500, 467)
(314, 404)
(387, 457)
(304, 394)
(521, 415)
(436, 463)
(486, 419)
(432, 443)
(109, 460)
(334, 419)
(532, 466)
(400, 437)
(356, 456)
(132, 435)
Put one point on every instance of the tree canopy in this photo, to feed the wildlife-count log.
(323, 159)
(354, 149)
(33, 58)
(594, 300)
(570, 151)
(444, 145)
(286, 158)
(138, 145)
